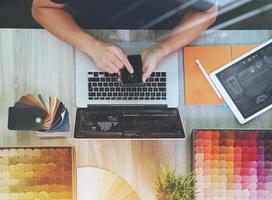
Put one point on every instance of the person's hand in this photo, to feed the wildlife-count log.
(150, 59)
(109, 57)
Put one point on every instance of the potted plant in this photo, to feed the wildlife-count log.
(172, 186)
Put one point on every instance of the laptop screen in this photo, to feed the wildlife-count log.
(128, 122)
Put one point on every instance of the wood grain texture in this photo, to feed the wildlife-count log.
(36, 61)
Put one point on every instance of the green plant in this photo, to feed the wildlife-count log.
(171, 186)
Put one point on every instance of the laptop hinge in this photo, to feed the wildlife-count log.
(129, 105)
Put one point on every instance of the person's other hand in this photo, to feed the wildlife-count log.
(150, 59)
(109, 57)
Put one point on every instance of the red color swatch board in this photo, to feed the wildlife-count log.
(233, 165)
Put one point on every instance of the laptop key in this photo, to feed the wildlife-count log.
(104, 94)
(93, 79)
(107, 89)
(164, 94)
(163, 79)
(161, 84)
(163, 74)
(162, 89)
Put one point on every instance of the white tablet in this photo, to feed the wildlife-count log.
(246, 83)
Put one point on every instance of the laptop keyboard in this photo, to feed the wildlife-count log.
(105, 86)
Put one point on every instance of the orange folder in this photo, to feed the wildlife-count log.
(197, 88)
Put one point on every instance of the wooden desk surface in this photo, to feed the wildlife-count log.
(35, 61)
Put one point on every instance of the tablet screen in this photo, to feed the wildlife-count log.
(249, 81)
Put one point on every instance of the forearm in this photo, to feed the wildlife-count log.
(187, 31)
(60, 23)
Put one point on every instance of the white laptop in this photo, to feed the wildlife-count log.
(96, 89)
(85, 64)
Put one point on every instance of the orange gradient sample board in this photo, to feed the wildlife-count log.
(197, 89)
(43, 173)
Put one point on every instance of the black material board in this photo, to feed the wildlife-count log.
(25, 118)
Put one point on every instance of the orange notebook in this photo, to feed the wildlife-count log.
(197, 88)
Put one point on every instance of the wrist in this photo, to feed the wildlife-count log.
(161, 50)
(89, 44)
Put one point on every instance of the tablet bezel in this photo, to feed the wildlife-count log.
(225, 94)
